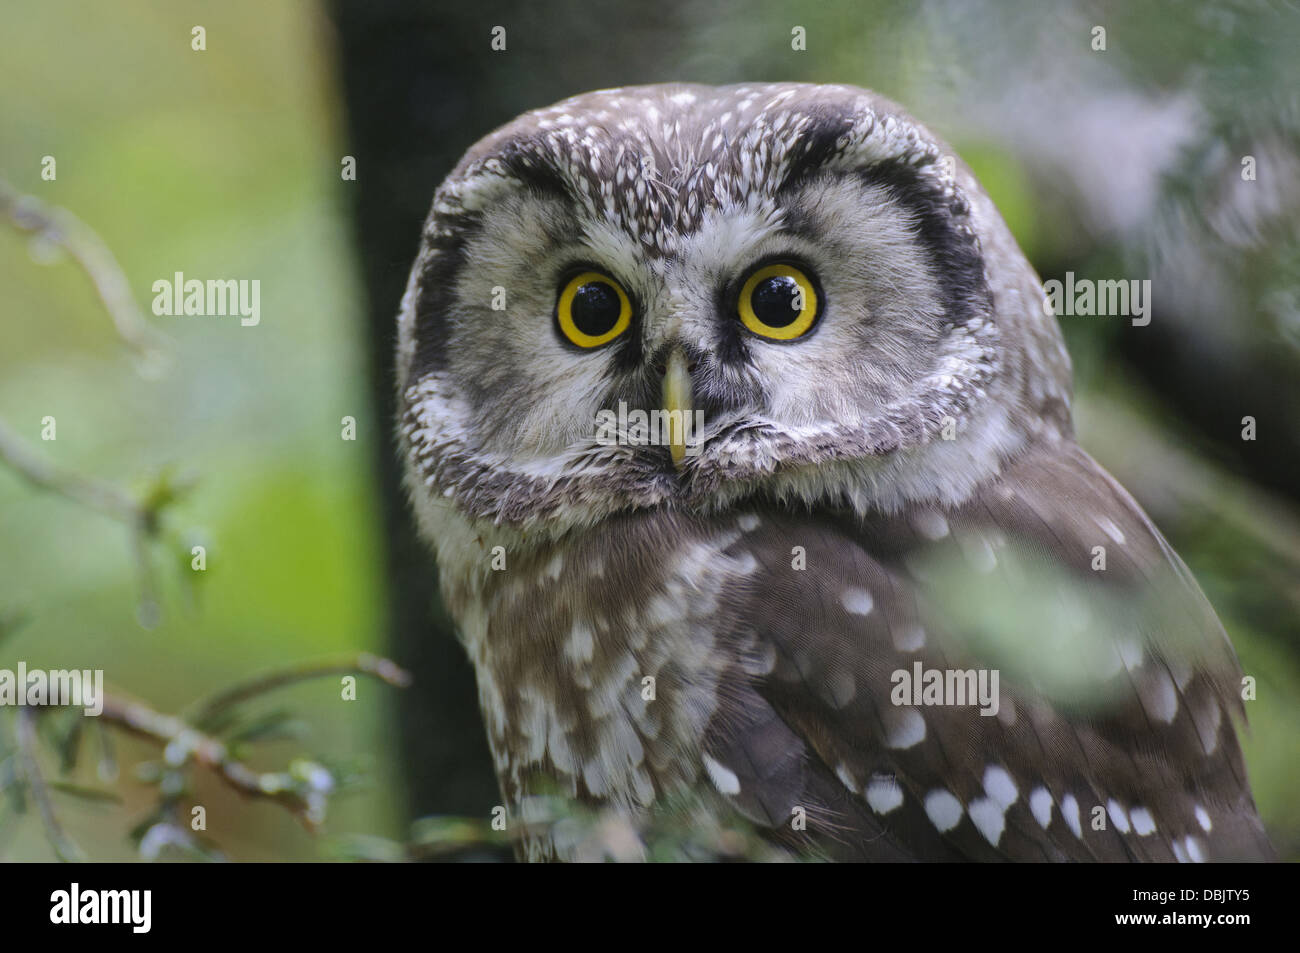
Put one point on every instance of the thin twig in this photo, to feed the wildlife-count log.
(59, 227)
(141, 518)
(96, 494)
(144, 722)
(364, 663)
(25, 736)
(188, 741)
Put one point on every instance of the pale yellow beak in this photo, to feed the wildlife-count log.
(677, 404)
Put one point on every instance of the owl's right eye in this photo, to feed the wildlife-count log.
(592, 310)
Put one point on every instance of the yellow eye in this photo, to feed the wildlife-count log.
(778, 302)
(593, 309)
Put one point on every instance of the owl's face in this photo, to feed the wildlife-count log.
(802, 269)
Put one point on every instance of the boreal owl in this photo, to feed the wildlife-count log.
(741, 429)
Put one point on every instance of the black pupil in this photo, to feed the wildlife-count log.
(595, 308)
(775, 301)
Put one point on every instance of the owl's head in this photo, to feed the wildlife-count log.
(798, 290)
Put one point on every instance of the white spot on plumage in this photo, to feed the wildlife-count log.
(1160, 697)
(1110, 529)
(909, 639)
(931, 524)
(1117, 815)
(857, 601)
(1130, 653)
(943, 809)
(846, 778)
(748, 522)
(1040, 805)
(1195, 853)
(999, 786)
(1070, 814)
(723, 778)
(989, 818)
(1180, 852)
(1203, 818)
(884, 794)
(905, 728)
(661, 611)
(581, 645)
(1207, 726)
(1143, 822)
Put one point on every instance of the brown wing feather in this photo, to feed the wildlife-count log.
(1118, 687)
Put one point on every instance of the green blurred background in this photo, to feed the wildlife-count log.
(226, 163)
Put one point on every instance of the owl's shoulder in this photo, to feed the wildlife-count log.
(988, 680)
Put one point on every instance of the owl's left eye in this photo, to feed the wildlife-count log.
(779, 302)
(593, 309)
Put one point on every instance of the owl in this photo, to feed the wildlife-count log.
(741, 431)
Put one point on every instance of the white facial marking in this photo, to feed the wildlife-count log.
(723, 778)
(884, 794)
(943, 809)
(1040, 804)
(905, 728)
(857, 601)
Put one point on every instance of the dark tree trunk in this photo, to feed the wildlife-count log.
(421, 84)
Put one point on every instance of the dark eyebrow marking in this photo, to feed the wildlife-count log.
(817, 144)
(943, 230)
(528, 161)
(941, 220)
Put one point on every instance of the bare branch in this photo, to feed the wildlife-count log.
(62, 229)
(364, 663)
(183, 741)
(187, 742)
(96, 494)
